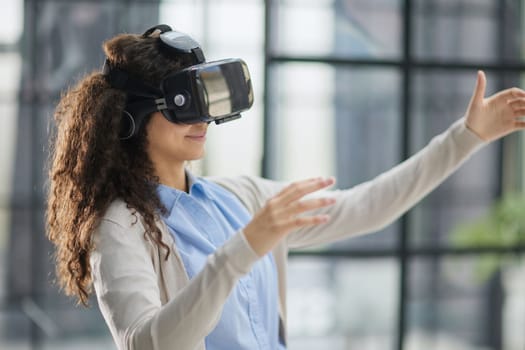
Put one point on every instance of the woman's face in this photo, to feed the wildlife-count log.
(170, 142)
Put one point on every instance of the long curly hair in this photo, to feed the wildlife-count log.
(90, 166)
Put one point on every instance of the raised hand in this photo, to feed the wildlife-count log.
(495, 116)
(282, 214)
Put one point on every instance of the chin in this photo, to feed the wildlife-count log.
(198, 156)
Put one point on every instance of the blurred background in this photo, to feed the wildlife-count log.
(343, 87)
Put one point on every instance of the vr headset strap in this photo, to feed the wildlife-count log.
(160, 27)
(121, 80)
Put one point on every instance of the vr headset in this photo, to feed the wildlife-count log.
(215, 91)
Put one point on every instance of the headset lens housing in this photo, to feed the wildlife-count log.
(215, 91)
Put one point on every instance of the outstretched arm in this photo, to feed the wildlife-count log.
(375, 204)
(372, 205)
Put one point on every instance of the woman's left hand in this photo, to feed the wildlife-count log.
(495, 116)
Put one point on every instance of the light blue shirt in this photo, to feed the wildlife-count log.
(202, 221)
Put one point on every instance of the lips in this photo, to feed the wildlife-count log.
(197, 137)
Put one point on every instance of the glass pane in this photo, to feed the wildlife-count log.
(15, 329)
(444, 30)
(28, 165)
(223, 26)
(440, 98)
(11, 21)
(236, 148)
(243, 33)
(212, 26)
(302, 117)
(4, 214)
(68, 40)
(18, 246)
(8, 112)
(342, 304)
(10, 66)
(474, 302)
(325, 120)
(338, 28)
(68, 326)
(66, 46)
(328, 120)
(10, 71)
(4, 248)
(186, 16)
(86, 342)
(67, 43)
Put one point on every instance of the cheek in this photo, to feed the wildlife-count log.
(162, 131)
(166, 141)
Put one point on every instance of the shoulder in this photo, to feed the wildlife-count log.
(120, 224)
(252, 191)
(119, 213)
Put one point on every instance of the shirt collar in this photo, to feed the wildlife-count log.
(197, 187)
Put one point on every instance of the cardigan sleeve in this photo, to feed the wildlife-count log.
(128, 294)
(372, 205)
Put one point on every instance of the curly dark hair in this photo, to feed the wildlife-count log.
(90, 166)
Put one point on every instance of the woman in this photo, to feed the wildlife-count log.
(185, 262)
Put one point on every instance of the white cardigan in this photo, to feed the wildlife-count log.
(148, 302)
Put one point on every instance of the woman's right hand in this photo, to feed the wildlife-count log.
(281, 214)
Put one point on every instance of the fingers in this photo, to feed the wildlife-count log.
(518, 106)
(284, 209)
(518, 113)
(516, 92)
(479, 89)
(304, 221)
(280, 215)
(291, 218)
(301, 188)
(519, 124)
(517, 102)
(302, 206)
(510, 94)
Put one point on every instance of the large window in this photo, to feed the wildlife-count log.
(45, 46)
(355, 87)
(342, 87)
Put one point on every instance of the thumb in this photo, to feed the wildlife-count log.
(479, 90)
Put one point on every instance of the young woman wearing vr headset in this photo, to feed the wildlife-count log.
(179, 261)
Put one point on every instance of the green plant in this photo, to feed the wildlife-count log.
(502, 227)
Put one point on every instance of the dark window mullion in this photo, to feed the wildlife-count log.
(407, 64)
(405, 133)
(500, 66)
(432, 251)
(267, 123)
